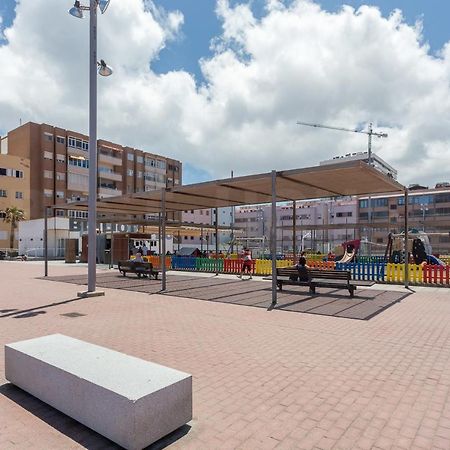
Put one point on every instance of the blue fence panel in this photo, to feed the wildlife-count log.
(373, 271)
(184, 262)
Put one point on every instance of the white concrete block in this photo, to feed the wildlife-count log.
(130, 401)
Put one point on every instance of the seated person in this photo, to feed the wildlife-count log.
(302, 269)
(138, 257)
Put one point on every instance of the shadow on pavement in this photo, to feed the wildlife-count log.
(73, 429)
(21, 313)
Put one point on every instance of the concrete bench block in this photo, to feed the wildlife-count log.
(130, 401)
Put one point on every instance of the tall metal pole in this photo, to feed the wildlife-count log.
(163, 239)
(233, 211)
(294, 230)
(217, 240)
(273, 239)
(369, 212)
(92, 204)
(406, 277)
(45, 241)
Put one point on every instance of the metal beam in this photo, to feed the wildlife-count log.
(251, 191)
(293, 180)
(406, 277)
(163, 240)
(273, 240)
(217, 240)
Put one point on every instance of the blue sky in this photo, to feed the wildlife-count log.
(351, 69)
(201, 25)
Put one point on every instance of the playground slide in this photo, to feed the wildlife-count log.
(435, 261)
(348, 257)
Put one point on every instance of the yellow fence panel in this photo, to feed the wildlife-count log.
(395, 273)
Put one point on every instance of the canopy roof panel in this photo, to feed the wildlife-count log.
(341, 179)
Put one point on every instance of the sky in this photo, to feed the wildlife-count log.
(220, 84)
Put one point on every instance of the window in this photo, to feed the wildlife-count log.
(71, 142)
(192, 238)
(79, 162)
(19, 195)
(60, 176)
(185, 238)
(60, 158)
(59, 194)
(139, 174)
(60, 213)
(60, 140)
(48, 174)
(344, 214)
(11, 173)
(130, 172)
(140, 159)
(48, 193)
(130, 157)
(393, 206)
(364, 216)
(48, 155)
(3, 193)
(364, 204)
(48, 136)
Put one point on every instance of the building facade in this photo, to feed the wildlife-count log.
(14, 192)
(59, 166)
(428, 210)
(314, 224)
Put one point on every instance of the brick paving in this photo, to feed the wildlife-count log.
(261, 379)
(328, 302)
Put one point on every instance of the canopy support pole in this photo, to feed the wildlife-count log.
(294, 230)
(163, 240)
(45, 241)
(273, 243)
(406, 275)
(216, 211)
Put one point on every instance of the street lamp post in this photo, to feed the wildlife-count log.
(424, 209)
(104, 70)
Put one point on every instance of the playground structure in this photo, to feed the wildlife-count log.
(418, 248)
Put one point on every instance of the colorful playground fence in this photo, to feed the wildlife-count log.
(374, 271)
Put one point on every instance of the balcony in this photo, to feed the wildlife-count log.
(110, 175)
(106, 192)
(113, 160)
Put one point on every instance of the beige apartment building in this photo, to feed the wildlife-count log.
(59, 166)
(428, 210)
(14, 191)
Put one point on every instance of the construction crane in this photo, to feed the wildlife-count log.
(370, 133)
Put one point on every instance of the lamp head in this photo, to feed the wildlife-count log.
(76, 10)
(103, 69)
(103, 5)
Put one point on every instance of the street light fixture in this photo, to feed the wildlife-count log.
(424, 209)
(103, 69)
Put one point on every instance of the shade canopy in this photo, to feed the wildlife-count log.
(341, 179)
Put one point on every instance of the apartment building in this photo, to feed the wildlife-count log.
(59, 166)
(428, 210)
(14, 192)
(314, 220)
(206, 239)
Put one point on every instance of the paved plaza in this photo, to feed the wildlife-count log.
(261, 379)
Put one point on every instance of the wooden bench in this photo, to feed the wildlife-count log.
(338, 279)
(139, 268)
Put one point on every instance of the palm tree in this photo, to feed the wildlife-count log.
(13, 215)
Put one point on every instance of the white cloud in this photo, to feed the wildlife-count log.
(296, 63)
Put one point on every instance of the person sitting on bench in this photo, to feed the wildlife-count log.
(302, 269)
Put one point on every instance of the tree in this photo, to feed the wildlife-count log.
(13, 215)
